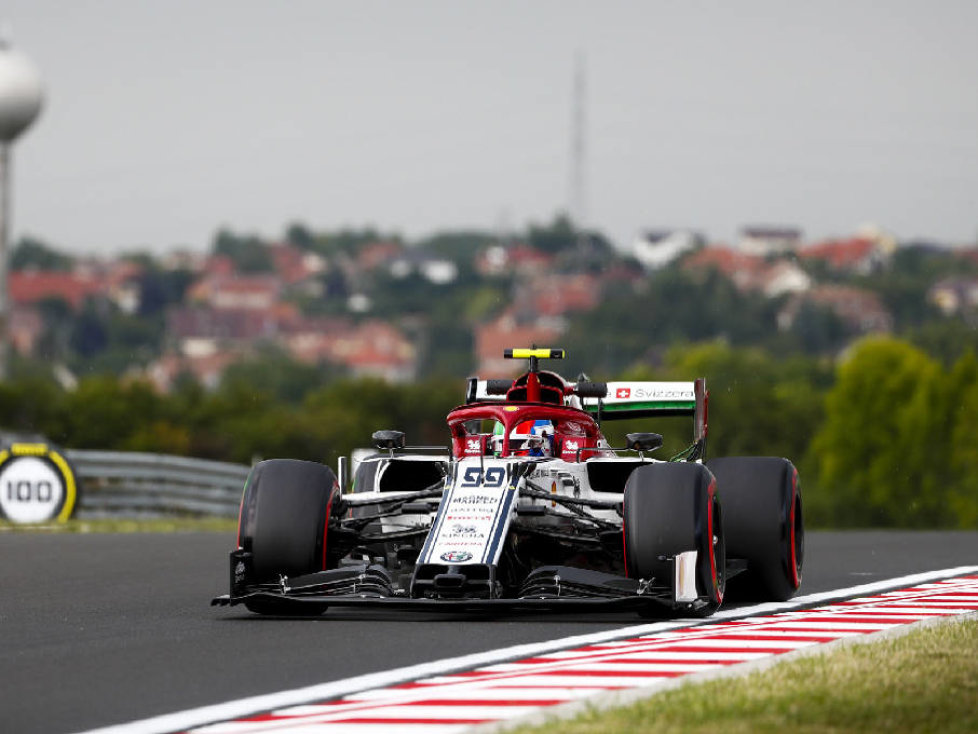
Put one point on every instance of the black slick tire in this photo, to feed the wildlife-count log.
(764, 524)
(284, 520)
(671, 509)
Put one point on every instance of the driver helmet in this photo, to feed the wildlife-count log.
(536, 436)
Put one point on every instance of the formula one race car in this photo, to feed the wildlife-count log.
(529, 509)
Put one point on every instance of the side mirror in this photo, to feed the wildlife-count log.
(643, 441)
(390, 440)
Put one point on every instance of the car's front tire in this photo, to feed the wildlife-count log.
(284, 520)
(671, 509)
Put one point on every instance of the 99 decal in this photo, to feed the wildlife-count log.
(491, 478)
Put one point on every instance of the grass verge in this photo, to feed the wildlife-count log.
(924, 681)
(155, 525)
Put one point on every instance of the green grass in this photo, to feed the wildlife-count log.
(925, 681)
(158, 525)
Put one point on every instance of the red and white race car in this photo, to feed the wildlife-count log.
(529, 508)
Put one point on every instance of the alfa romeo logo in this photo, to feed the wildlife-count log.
(456, 556)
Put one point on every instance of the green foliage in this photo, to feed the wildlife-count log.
(758, 405)
(103, 413)
(962, 492)
(672, 307)
(894, 441)
(32, 403)
(33, 253)
(946, 339)
(285, 379)
(248, 252)
(299, 235)
(904, 284)
(461, 247)
(162, 288)
(555, 237)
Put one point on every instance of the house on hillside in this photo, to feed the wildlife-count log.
(376, 349)
(656, 249)
(312, 339)
(750, 272)
(506, 332)
(782, 277)
(369, 349)
(207, 369)
(237, 292)
(377, 254)
(765, 241)
(122, 284)
(298, 269)
(30, 287)
(860, 310)
(558, 294)
(202, 330)
(517, 259)
(954, 295)
(857, 255)
(433, 268)
(25, 329)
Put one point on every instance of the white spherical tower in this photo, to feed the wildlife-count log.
(21, 96)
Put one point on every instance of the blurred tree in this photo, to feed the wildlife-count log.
(555, 237)
(963, 492)
(34, 253)
(33, 403)
(460, 247)
(104, 413)
(89, 335)
(285, 379)
(299, 235)
(946, 339)
(818, 329)
(882, 453)
(758, 405)
(672, 307)
(249, 253)
(159, 289)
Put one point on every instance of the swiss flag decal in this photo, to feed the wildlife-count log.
(623, 392)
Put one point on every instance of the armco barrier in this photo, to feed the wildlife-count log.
(131, 484)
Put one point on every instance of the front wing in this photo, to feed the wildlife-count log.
(546, 589)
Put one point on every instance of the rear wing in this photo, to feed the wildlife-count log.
(643, 399)
(652, 399)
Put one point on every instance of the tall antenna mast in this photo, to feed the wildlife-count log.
(578, 211)
(21, 95)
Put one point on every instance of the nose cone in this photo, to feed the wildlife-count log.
(21, 93)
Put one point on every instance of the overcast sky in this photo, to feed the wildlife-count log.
(167, 120)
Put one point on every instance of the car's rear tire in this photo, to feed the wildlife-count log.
(284, 520)
(671, 509)
(764, 524)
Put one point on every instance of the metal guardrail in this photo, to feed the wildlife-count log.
(132, 484)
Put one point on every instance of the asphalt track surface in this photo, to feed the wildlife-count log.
(104, 629)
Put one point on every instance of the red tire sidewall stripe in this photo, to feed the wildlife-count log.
(792, 554)
(710, 497)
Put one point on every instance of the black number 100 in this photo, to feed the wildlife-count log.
(26, 491)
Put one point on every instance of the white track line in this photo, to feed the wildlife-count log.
(236, 709)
